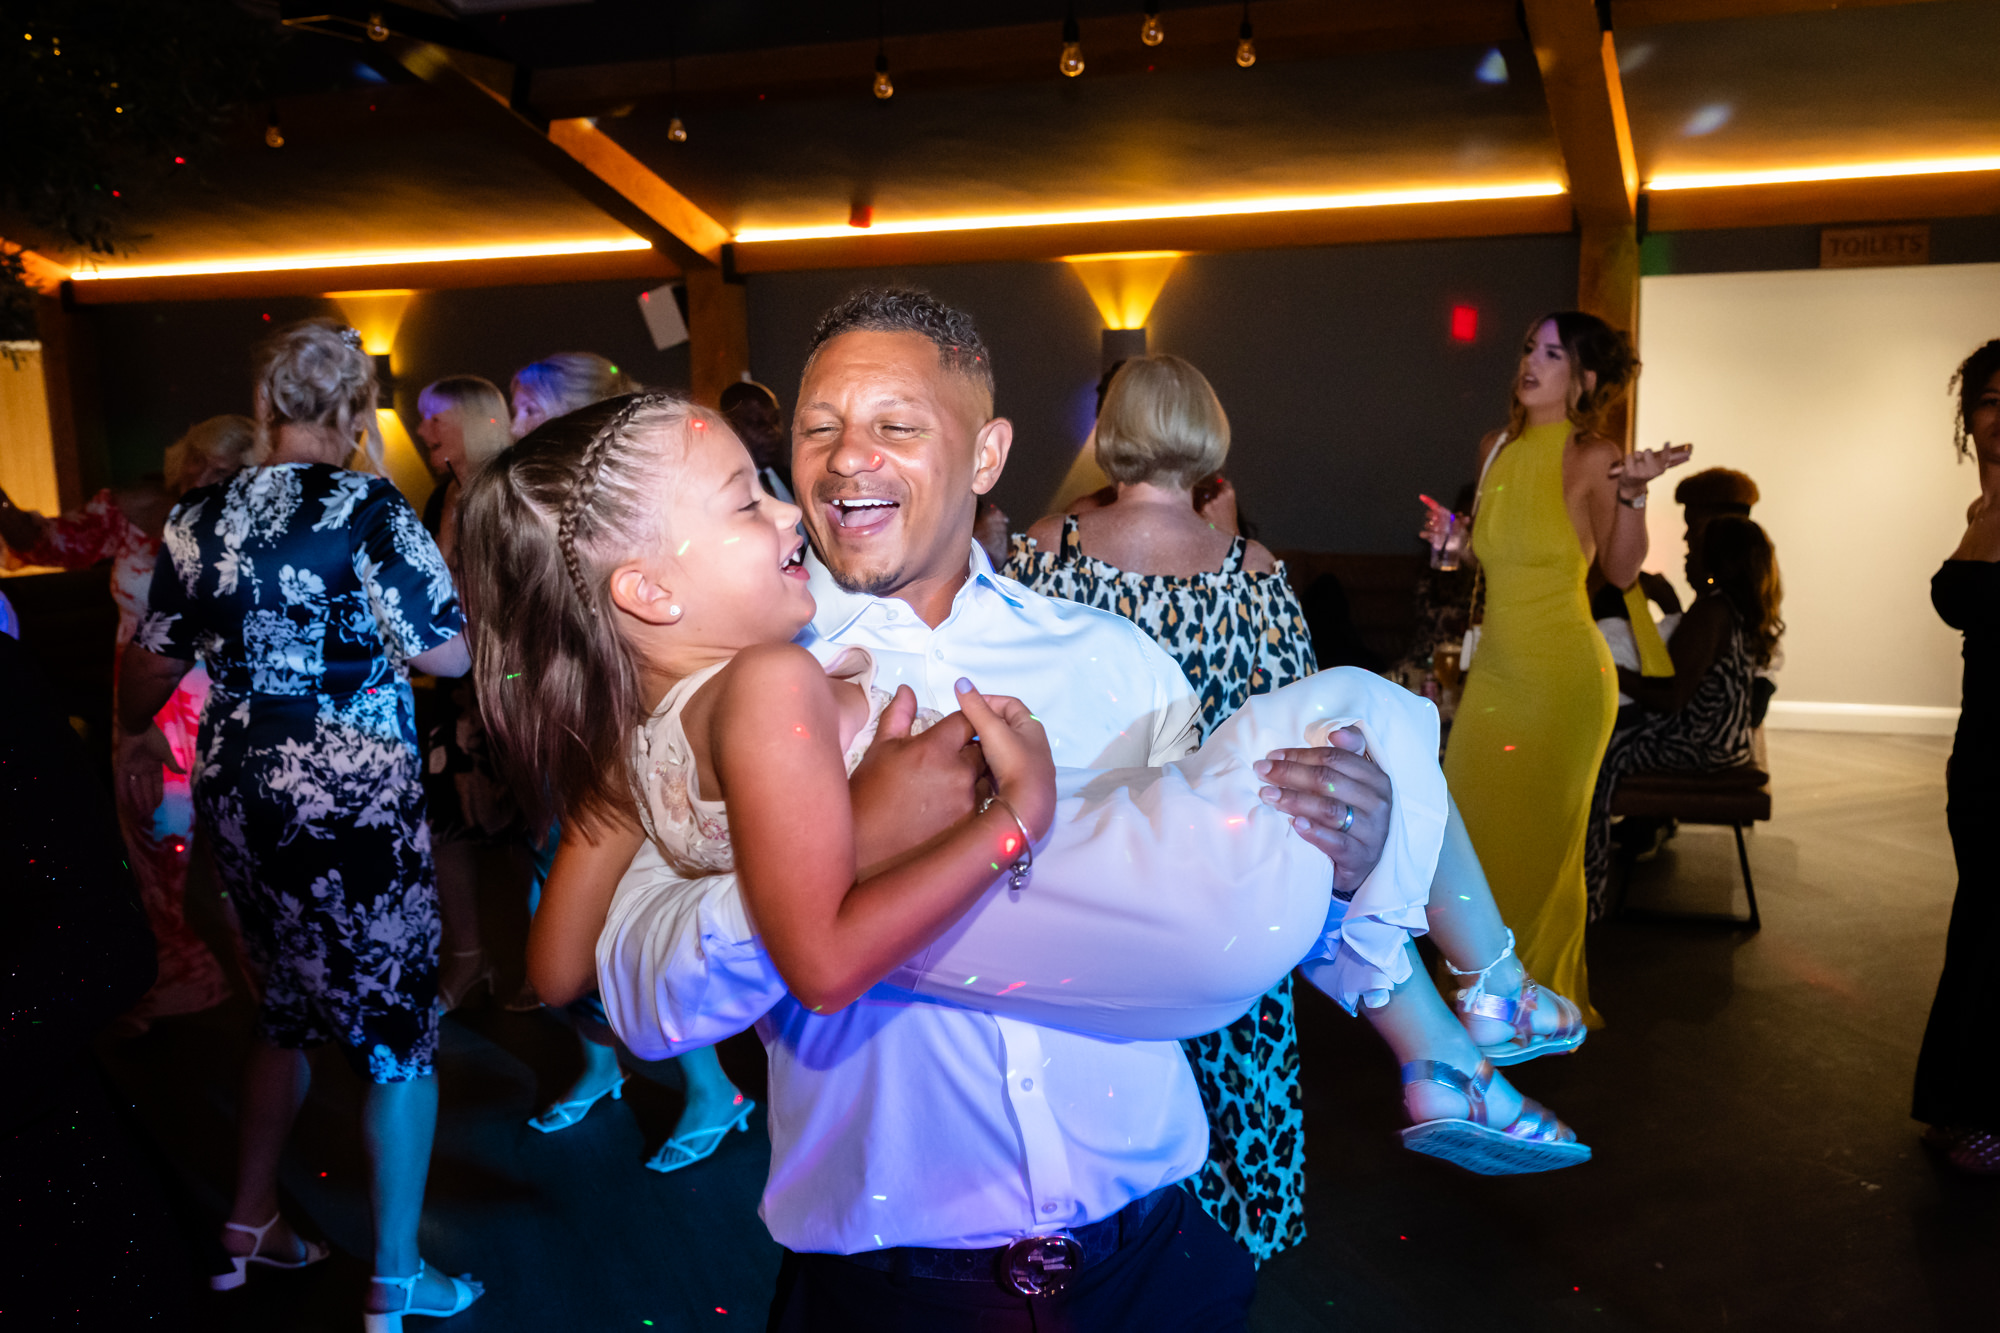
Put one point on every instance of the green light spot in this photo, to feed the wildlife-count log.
(970, 980)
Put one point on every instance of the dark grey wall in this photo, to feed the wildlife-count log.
(1346, 394)
(164, 366)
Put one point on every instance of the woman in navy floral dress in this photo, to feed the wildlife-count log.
(309, 591)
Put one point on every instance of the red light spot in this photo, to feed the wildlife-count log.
(720, 1310)
(180, 161)
(699, 425)
(1008, 846)
(802, 731)
(1507, 747)
(1464, 323)
(267, 319)
(115, 194)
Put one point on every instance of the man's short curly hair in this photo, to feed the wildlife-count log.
(907, 310)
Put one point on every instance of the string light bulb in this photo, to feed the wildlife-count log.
(1246, 43)
(274, 134)
(378, 31)
(884, 89)
(1071, 63)
(1150, 32)
(677, 131)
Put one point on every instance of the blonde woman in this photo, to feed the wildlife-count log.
(310, 592)
(558, 385)
(124, 527)
(464, 426)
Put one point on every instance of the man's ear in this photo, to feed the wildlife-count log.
(989, 453)
(634, 592)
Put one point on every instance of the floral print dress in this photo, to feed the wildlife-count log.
(159, 842)
(1234, 634)
(304, 589)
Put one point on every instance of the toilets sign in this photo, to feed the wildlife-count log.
(1875, 247)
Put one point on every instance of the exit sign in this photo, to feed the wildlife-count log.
(1875, 247)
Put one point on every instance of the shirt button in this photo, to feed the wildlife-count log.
(938, 653)
(892, 613)
(1048, 1208)
(1027, 1085)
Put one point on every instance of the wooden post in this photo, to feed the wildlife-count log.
(718, 333)
(1579, 64)
(69, 378)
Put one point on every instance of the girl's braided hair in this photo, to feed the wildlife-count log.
(542, 528)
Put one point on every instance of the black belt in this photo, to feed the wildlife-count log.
(1030, 1266)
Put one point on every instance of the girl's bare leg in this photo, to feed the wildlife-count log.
(1418, 1026)
(1466, 926)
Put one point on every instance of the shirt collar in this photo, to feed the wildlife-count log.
(838, 608)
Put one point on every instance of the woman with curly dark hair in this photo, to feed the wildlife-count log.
(1698, 720)
(1556, 495)
(1957, 1093)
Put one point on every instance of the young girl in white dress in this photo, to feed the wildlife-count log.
(636, 593)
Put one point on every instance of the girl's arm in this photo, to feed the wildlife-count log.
(775, 744)
(562, 940)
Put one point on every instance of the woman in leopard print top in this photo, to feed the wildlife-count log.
(1220, 606)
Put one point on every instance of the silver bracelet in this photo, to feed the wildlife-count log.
(1022, 864)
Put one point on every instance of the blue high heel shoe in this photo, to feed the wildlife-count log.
(684, 1150)
(463, 1289)
(239, 1271)
(564, 1114)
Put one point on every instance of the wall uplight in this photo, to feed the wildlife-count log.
(1304, 203)
(1464, 323)
(1125, 285)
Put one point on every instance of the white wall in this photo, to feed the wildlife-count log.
(1828, 387)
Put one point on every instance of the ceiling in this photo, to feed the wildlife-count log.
(782, 129)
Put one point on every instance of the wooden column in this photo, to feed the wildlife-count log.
(1579, 64)
(718, 333)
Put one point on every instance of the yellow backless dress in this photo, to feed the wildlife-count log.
(1540, 698)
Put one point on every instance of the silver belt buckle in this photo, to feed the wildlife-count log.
(1041, 1265)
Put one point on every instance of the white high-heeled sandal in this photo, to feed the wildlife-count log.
(464, 1289)
(687, 1149)
(239, 1271)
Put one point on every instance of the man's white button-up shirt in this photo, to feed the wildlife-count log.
(903, 1121)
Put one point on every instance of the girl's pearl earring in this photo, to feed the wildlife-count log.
(674, 611)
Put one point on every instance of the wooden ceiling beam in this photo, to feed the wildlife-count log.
(578, 155)
(1579, 64)
(1250, 231)
(522, 272)
(1642, 13)
(1826, 203)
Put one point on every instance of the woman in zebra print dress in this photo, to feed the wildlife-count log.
(1699, 717)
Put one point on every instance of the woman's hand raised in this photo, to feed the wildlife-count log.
(1640, 467)
(1017, 754)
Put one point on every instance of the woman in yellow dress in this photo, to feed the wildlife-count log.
(1555, 495)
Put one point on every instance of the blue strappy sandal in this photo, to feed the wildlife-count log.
(684, 1150)
(463, 1289)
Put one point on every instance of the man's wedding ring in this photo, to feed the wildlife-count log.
(1346, 821)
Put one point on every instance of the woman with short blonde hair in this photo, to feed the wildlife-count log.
(1161, 423)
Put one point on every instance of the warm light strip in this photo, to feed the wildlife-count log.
(1304, 203)
(1939, 166)
(350, 259)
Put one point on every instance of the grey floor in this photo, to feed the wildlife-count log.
(1756, 1167)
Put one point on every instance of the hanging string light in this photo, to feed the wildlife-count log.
(378, 31)
(1071, 63)
(1150, 32)
(884, 89)
(274, 133)
(676, 131)
(1246, 45)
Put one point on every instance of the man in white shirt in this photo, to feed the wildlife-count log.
(937, 1167)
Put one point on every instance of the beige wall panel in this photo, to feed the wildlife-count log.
(27, 459)
(1828, 387)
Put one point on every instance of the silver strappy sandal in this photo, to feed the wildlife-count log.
(1475, 1001)
(1535, 1141)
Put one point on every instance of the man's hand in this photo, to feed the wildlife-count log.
(908, 789)
(1319, 788)
(140, 757)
